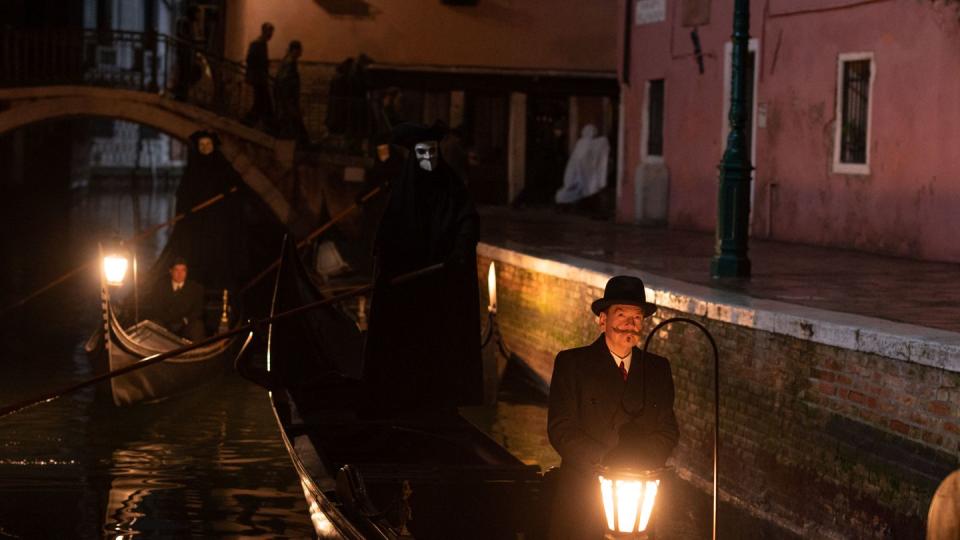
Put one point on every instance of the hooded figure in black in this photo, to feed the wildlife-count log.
(423, 343)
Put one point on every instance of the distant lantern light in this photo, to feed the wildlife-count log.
(628, 499)
(115, 268)
(492, 287)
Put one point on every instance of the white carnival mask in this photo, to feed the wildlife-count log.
(427, 155)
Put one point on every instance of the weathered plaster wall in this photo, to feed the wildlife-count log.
(534, 34)
(906, 205)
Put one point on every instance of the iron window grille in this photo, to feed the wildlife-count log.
(855, 109)
(655, 118)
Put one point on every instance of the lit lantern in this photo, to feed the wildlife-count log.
(628, 499)
(115, 268)
(492, 288)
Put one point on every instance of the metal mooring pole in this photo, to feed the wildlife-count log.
(733, 212)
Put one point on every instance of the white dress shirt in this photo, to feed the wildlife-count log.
(626, 360)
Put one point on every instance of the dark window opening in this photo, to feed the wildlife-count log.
(486, 136)
(854, 111)
(655, 118)
(102, 127)
(149, 133)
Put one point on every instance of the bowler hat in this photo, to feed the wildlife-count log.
(627, 290)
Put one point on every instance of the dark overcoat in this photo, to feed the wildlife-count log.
(258, 63)
(171, 308)
(430, 361)
(591, 411)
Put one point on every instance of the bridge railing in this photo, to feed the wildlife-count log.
(180, 70)
(143, 61)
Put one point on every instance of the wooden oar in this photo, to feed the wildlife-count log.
(248, 327)
(317, 232)
(145, 233)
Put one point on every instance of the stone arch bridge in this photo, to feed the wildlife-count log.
(262, 161)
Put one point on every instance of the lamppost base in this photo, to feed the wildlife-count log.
(723, 266)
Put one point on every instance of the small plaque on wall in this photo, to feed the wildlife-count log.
(650, 11)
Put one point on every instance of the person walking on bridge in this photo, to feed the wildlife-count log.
(188, 47)
(258, 76)
(287, 94)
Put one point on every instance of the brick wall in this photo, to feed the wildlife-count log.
(827, 441)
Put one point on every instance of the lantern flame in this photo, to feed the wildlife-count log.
(115, 269)
(628, 503)
(492, 288)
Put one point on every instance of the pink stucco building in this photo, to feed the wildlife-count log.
(853, 120)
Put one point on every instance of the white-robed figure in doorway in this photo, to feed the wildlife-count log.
(586, 172)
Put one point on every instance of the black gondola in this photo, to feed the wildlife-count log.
(125, 347)
(377, 474)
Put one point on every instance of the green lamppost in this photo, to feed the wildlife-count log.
(733, 213)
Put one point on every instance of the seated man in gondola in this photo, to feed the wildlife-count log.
(177, 304)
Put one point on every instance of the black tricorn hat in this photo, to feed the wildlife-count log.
(626, 290)
(408, 134)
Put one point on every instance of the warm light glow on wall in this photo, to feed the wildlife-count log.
(492, 287)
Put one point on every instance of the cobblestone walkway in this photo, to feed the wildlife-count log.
(896, 289)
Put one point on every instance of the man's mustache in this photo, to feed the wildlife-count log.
(626, 331)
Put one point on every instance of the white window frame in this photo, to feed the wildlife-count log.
(645, 124)
(838, 166)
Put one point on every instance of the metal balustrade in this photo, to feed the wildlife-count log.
(177, 69)
(142, 61)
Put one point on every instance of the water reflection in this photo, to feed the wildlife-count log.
(206, 464)
(518, 420)
(209, 463)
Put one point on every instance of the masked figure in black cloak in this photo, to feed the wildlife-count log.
(423, 344)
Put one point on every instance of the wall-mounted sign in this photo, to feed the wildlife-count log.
(650, 11)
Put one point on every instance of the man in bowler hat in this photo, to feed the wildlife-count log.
(609, 406)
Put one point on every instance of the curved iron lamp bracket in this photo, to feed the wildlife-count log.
(716, 395)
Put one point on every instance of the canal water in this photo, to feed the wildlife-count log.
(209, 463)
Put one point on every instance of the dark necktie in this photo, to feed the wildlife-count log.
(623, 370)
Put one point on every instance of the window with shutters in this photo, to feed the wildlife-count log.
(855, 73)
